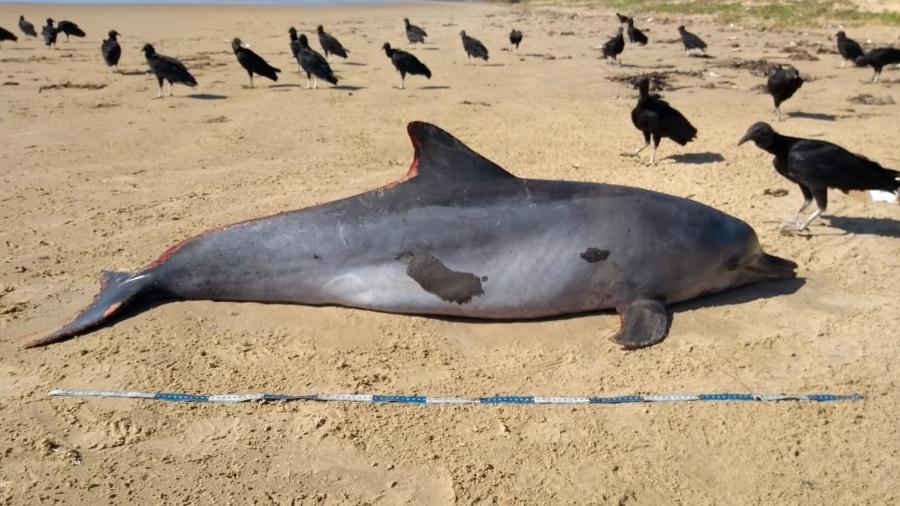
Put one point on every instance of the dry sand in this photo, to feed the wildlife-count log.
(108, 178)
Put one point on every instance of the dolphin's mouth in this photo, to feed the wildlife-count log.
(772, 267)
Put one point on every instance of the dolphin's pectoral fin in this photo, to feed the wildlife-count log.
(645, 322)
(116, 290)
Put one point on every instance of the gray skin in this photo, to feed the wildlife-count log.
(460, 236)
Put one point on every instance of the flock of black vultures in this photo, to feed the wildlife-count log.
(168, 69)
(813, 165)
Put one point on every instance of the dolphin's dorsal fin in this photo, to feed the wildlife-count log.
(442, 159)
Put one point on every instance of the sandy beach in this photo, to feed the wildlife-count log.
(98, 175)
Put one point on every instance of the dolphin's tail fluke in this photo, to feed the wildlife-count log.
(117, 289)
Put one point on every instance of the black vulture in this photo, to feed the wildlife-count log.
(69, 28)
(314, 64)
(330, 44)
(816, 166)
(7, 35)
(691, 41)
(474, 48)
(168, 69)
(26, 27)
(405, 63)
(656, 119)
(49, 32)
(295, 43)
(252, 62)
(850, 49)
(614, 47)
(783, 82)
(111, 50)
(635, 36)
(878, 59)
(515, 38)
(414, 34)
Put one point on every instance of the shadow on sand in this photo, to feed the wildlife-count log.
(742, 294)
(698, 158)
(885, 227)
(813, 115)
(206, 96)
(347, 87)
(628, 65)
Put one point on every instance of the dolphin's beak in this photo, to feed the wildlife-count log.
(771, 267)
(744, 139)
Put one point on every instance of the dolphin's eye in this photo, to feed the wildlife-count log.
(733, 263)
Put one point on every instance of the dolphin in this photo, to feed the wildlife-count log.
(460, 236)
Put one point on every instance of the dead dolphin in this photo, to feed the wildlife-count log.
(460, 236)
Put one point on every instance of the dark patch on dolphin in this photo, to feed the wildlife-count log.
(594, 255)
(434, 277)
(456, 214)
